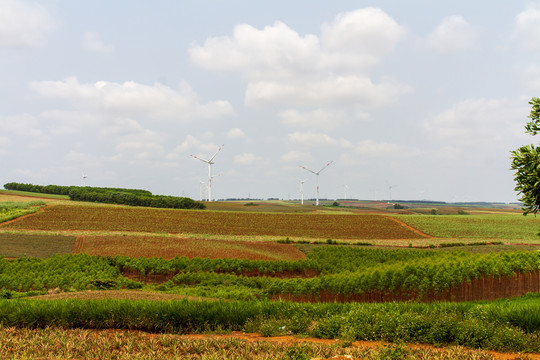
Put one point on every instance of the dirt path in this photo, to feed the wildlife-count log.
(41, 209)
(404, 224)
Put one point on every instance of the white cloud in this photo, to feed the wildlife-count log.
(316, 119)
(311, 140)
(354, 40)
(193, 144)
(92, 42)
(373, 148)
(527, 28)
(246, 159)
(367, 31)
(285, 68)
(480, 122)
(23, 24)
(22, 125)
(453, 35)
(296, 157)
(333, 91)
(133, 99)
(236, 133)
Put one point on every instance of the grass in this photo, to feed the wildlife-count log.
(10, 210)
(505, 227)
(33, 194)
(13, 245)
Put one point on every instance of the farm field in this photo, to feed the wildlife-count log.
(118, 344)
(167, 247)
(322, 226)
(183, 259)
(511, 228)
(35, 245)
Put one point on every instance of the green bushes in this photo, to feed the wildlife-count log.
(66, 272)
(475, 325)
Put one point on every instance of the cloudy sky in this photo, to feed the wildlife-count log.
(410, 100)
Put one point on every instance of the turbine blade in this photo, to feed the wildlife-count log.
(212, 158)
(305, 168)
(198, 158)
(327, 165)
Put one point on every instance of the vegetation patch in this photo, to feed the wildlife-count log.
(63, 217)
(173, 246)
(501, 326)
(495, 226)
(57, 343)
(15, 245)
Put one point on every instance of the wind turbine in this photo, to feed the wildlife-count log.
(390, 190)
(210, 163)
(302, 189)
(201, 183)
(346, 189)
(84, 176)
(316, 178)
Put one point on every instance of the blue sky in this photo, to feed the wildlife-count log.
(410, 100)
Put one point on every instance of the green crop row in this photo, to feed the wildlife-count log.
(66, 272)
(361, 271)
(503, 326)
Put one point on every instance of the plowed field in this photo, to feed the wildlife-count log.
(352, 226)
(169, 247)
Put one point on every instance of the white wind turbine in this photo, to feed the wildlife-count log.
(390, 190)
(346, 190)
(84, 176)
(210, 163)
(201, 183)
(316, 178)
(302, 189)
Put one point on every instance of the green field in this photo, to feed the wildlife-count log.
(242, 290)
(511, 228)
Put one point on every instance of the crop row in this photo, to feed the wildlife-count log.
(373, 270)
(508, 326)
(66, 272)
(63, 217)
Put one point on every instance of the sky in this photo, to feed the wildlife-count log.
(415, 100)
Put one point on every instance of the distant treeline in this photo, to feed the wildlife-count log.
(132, 197)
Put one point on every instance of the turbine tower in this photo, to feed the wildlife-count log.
(210, 163)
(201, 183)
(302, 189)
(84, 176)
(316, 178)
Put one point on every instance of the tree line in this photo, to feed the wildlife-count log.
(120, 196)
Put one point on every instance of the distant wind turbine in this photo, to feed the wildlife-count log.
(84, 176)
(390, 190)
(316, 178)
(346, 190)
(210, 163)
(302, 189)
(201, 183)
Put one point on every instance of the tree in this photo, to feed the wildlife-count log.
(526, 163)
